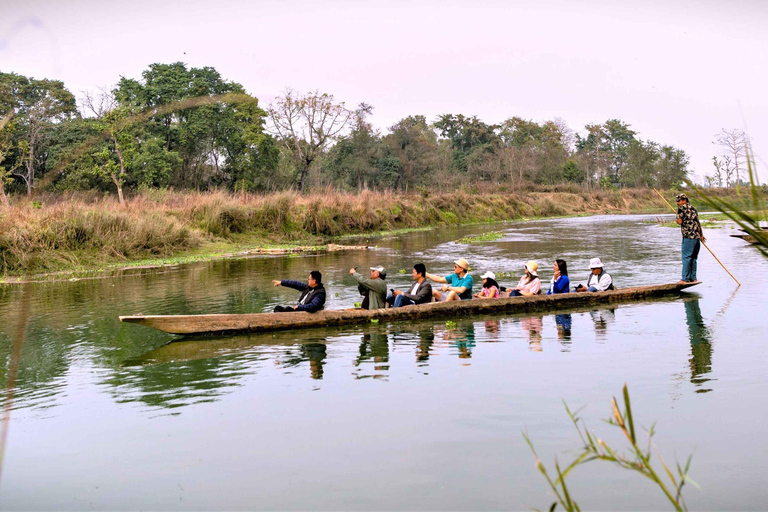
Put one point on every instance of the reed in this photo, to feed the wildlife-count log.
(639, 459)
(745, 212)
(88, 230)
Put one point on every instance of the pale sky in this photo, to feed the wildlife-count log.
(677, 72)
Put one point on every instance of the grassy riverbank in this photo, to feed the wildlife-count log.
(59, 233)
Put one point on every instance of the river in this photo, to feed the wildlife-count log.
(423, 415)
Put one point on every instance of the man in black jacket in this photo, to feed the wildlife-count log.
(419, 293)
(312, 293)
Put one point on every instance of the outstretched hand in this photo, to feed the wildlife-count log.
(351, 271)
(276, 282)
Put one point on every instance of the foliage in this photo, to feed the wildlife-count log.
(639, 459)
(490, 236)
(749, 222)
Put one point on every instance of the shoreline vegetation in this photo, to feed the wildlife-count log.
(67, 235)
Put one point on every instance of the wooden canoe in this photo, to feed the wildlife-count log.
(263, 322)
(747, 238)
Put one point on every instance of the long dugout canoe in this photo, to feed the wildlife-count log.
(264, 322)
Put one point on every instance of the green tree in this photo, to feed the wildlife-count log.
(467, 135)
(607, 147)
(38, 105)
(413, 142)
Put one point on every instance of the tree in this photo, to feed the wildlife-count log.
(467, 134)
(607, 146)
(6, 151)
(306, 125)
(217, 142)
(734, 143)
(38, 106)
(413, 142)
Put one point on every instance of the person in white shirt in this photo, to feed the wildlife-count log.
(419, 293)
(598, 281)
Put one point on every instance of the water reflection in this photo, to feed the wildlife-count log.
(602, 318)
(374, 347)
(563, 323)
(701, 346)
(534, 326)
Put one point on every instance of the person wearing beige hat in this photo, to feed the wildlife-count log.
(529, 284)
(458, 286)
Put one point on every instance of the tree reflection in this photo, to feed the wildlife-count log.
(701, 346)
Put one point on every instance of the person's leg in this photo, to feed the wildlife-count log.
(687, 256)
(391, 299)
(436, 295)
(402, 300)
(452, 295)
(282, 309)
(515, 293)
(591, 289)
(695, 259)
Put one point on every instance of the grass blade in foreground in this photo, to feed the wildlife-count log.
(596, 449)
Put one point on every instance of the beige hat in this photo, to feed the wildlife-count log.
(532, 267)
(462, 263)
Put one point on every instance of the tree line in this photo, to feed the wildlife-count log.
(189, 128)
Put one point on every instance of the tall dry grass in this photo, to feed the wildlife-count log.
(57, 232)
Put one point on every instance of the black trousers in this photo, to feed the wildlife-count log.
(283, 309)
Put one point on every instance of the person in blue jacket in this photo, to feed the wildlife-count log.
(312, 293)
(560, 282)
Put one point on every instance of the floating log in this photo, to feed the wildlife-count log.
(747, 238)
(264, 322)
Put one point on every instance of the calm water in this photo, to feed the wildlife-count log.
(422, 415)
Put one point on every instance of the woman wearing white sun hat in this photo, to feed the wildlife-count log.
(490, 289)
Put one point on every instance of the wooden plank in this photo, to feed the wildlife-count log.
(264, 322)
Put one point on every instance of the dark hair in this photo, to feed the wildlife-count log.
(420, 268)
(562, 266)
(317, 276)
(490, 282)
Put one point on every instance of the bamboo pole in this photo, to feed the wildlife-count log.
(702, 242)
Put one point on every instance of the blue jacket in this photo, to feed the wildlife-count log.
(560, 286)
(315, 302)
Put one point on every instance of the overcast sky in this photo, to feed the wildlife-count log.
(677, 72)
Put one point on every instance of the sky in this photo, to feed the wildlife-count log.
(677, 72)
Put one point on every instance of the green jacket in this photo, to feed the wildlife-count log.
(377, 294)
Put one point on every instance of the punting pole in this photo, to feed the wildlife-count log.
(702, 242)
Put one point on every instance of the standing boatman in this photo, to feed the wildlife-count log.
(688, 218)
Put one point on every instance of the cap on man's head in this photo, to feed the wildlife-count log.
(595, 263)
(381, 270)
(681, 197)
(462, 263)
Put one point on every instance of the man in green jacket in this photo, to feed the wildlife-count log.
(375, 286)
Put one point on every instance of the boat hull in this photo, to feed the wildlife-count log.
(264, 322)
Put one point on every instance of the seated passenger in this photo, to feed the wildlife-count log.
(490, 289)
(312, 294)
(375, 288)
(459, 284)
(598, 281)
(420, 292)
(529, 284)
(560, 282)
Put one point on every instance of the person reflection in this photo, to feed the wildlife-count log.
(426, 340)
(492, 328)
(601, 318)
(563, 323)
(315, 353)
(534, 325)
(462, 337)
(374, 346)
(701, 346)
